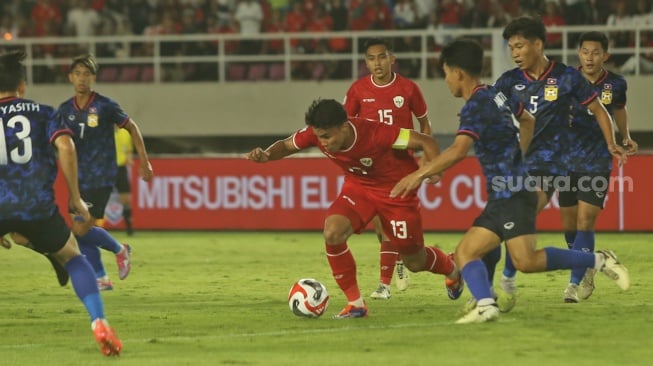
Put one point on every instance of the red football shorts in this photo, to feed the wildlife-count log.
(400, 217)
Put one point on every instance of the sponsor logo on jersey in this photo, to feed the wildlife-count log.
(369, 100)
(71, 117)
(398, 100)
(551, 81)
(520, 87)
(367, 162)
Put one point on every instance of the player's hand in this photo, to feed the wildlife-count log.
(258, 155)
(146, 170)
(80, 210)
(434, 179)
(630, 146)
(619, 153)
(5, 243)
(18, 239)
(406, 185)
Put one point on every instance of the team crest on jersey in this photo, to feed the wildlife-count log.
(551, 93)
(367, 162)
(92, 120)
(398, 100)
(606, 94)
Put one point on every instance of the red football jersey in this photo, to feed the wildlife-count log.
(370, 161)
(393, 104)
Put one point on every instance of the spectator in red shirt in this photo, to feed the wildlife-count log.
(321, 22)
(295, 21)
(46, 14)
(551, 19)
(273, 24)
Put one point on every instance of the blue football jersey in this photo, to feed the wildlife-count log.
(489, 120)
(28, 164)
(588, 152)
(93, 126)
(549, 99)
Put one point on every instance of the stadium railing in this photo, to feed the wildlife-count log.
(209, 57)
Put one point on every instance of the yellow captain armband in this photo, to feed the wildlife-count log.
(401, 143)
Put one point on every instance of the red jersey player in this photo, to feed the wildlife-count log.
(373, 157)
(392, 99)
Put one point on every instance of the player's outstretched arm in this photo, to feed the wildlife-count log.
(145, 168)
(425, 125)
(605, 124)
(68, 159)
(526, 130)
(621, 119)
(449, 157)
(278, 150)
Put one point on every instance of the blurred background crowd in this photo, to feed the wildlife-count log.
(92, 18)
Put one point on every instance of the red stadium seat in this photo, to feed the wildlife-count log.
(129, 74)
(277, 72)
(107, 74)
(147, 74)
(256, 72)
(317, 71)
(236, 72)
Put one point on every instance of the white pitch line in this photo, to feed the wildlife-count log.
(265, 334)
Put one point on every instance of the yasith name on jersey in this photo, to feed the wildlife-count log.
(20, 107)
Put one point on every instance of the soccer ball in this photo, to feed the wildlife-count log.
(308, 298)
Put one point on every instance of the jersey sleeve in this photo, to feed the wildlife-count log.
(417, 102)
(470, 120)
(516, 106)
(117, 115)
(352, 102)
(620, 93)
(56, 125)
(304, 138)
(386, 136)
(504, 84)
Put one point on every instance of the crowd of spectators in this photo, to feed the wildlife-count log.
(85, 18)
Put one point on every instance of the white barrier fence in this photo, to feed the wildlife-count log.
(156, 55)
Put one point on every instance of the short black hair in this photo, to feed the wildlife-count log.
(527, 27)
(12, 71)
(594, 37)
(88, 60)
(325, 114)
(464, 53)
(377, 42)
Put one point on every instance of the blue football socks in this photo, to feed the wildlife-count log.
(570, 236)
(509, 269)
(490, 260)
(583, 242)
(103, 239)
(81, 276)
(557, 258)
(92, 253)
(475, 274)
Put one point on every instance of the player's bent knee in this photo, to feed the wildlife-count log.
(525, 264)
(336, 235)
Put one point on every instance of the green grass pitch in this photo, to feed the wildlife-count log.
(215, 298)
